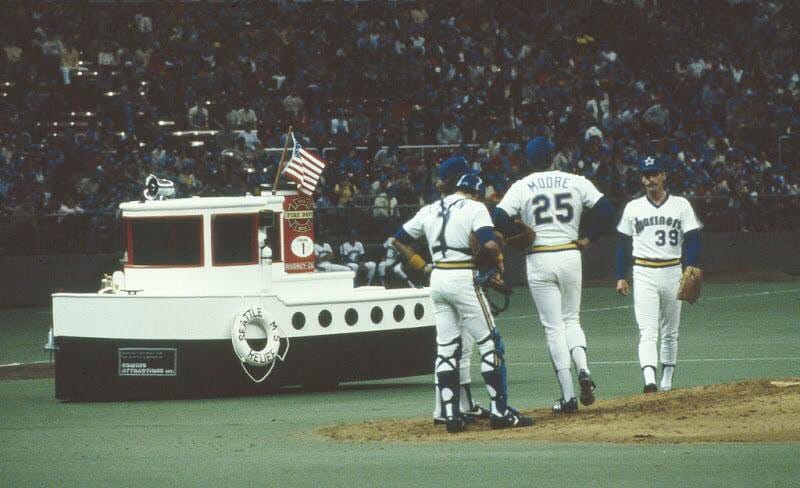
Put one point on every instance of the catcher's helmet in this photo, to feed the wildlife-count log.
(471, 184)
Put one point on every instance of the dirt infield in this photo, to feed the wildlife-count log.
(748, 411)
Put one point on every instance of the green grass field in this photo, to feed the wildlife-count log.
(736, 331)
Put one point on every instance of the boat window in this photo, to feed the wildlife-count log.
(269, 226)
(165, 242)
(234, 239)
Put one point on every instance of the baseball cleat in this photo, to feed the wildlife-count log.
(560, 406)
(455, 425)
(650, 388)
(477, 412)
(511, 419)
(587, 387)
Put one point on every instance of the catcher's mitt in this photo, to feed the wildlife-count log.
(496, 291)
(522, 238)
(691, 282)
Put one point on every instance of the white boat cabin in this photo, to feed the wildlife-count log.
(211, 245)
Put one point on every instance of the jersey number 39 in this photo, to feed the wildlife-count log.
(661, 237)
(563, 208)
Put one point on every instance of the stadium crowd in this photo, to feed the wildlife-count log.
(95, 96)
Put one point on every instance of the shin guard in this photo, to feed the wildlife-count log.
(447, 375)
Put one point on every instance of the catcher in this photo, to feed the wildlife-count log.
(460, 309)
(659, 230)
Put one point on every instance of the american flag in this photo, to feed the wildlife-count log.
(304, 168)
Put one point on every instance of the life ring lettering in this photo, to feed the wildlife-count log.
(257, 317)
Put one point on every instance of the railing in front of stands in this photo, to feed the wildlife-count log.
(420, 150)
(101, 233)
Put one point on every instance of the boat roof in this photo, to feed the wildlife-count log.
(247, 203)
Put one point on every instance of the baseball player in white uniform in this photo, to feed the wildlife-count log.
(352, 253)
(460, 305)
(324, 254)
(551, 203)
(392, 262)
(654, 229)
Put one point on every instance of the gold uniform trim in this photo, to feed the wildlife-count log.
(656, 263)
(454, 265)
(558, 247)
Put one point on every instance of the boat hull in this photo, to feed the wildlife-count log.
(98, 369)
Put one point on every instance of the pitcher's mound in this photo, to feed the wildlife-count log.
(748, 411)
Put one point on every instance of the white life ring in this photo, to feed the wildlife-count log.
(266, 357)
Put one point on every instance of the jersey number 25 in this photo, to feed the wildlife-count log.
(563, 208)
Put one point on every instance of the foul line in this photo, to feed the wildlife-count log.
(695, 360)
(23, 364)
(625, 307)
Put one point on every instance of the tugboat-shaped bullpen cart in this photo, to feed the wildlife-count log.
(219, 296)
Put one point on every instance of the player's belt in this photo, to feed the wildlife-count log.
(558, 247)
(454, 265)
(462, 250)
(656, 263)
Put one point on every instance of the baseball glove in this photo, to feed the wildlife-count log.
(522, 238)
(496, 291)
(691, 282)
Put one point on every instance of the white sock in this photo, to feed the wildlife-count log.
(666, 377)
(649, 375)
(565, 380)
(579, 358)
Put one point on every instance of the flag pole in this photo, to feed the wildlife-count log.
(280, 164)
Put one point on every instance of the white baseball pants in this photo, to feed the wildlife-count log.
(658, 312)
(555, 280)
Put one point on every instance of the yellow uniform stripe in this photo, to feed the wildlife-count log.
(656, 263)
(557, 247)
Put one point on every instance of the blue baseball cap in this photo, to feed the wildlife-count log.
(470, 183)
(537, 151)
(650, 164)
(453, 167)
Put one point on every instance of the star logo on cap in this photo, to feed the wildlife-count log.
(649, 162)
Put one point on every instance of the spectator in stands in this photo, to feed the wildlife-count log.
(250, 138)
(345, 190)
(293, 104)
(449, 132)
(69, 207)
(198, 116)
(69, 62)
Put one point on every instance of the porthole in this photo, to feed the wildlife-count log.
(419, 311)
(325, 318)
(399, 313)
(351, 316)
(376, 315)
(298, 320)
